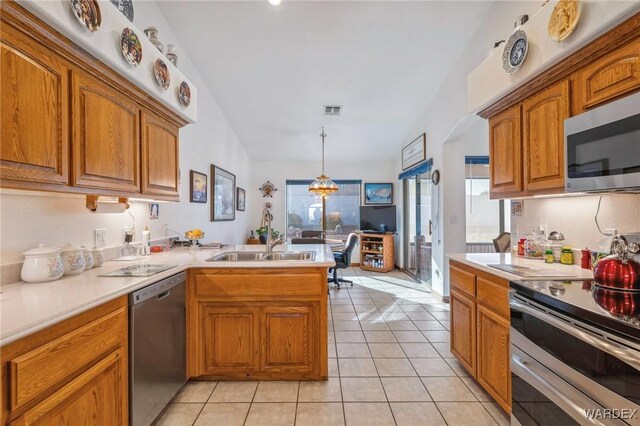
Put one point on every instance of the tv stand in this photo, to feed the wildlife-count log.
(376, 252)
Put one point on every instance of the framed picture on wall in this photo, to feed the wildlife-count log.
(223, 194)
(198, 187)
(378, 193)
(240, 199)
(415, 152)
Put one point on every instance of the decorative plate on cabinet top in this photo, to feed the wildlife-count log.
(515, 51)
(130, 47)
(87, 12)
(161, 73)
(564, 19)
(184, 94)
(125, 7)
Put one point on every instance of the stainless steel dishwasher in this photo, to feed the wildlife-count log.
(157, 347)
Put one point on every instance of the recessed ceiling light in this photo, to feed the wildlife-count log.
(275, 2)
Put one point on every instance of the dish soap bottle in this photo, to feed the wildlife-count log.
(146, 241)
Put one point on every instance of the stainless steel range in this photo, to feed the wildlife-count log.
(575, 354)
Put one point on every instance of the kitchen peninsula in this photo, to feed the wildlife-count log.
(64, 340)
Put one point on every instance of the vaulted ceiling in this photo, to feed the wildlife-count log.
(272, 69)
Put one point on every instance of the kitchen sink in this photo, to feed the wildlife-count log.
(292, 255)
(244, 256)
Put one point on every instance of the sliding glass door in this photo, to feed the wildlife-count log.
(418, 229)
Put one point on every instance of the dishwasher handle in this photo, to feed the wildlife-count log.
(158, 290)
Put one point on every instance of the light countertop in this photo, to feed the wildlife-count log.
(28, 307)
(481, 260)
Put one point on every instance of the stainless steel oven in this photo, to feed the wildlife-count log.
(573, 361)
(602, 148)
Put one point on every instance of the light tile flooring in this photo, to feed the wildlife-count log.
(389, 364)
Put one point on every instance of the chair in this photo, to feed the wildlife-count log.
(502, 243)
(308, 241)
(343, 260)
(311, 234)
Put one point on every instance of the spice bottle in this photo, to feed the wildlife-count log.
(548, 256)
(566, 258)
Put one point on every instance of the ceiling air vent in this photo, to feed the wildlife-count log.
(332, 109)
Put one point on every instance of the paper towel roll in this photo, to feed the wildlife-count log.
(109, 208)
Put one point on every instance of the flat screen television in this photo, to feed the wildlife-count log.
(378, 219)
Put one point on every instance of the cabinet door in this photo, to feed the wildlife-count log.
(106, 144)
(494, 371)
(609, 77)
(34, 111)
(505, 153)
(230, 339)
(543, 138)
(288, 339)
(159, 156)
(98, 396)
(463, 330)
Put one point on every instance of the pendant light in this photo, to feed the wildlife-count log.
(323, 185)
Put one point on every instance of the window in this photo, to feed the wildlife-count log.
(305, 210)
(485, 218)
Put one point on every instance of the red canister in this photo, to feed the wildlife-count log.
(521, 246)
(585, 260)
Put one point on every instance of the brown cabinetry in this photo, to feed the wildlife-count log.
(76, 369)
(613, 75)
(159, 156)
(505, 152)
(71, 124)
(526, 145)
(543, 118)
(106, 144)
(267, 324)
(377, 253)
(480, 329)
(34, 141)
(463, 330)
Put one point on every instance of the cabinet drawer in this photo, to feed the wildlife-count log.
(494, 296)
(462, 280)
(64, 357)
(259, 282)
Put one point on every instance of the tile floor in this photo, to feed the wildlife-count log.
(389, 364)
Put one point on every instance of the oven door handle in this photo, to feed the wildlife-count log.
(609, 346)
(523, 369)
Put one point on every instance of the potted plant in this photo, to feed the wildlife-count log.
(262, 234)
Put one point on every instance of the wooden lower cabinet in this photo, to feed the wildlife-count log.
(494, 371)
(480, 329)
(463, 330)
(74, 372)
(266, 324)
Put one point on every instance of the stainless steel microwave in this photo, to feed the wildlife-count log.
(602, 148)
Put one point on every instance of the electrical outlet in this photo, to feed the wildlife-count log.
(100, 237)
(166, 230)
(610, 231)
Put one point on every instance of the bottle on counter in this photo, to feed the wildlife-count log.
(521, 246)
(566, 258)
(146, 241)
(548, 256)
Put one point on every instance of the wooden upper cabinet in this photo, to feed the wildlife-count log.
(106, 144)
(613, 75)
(159, 156)
(505, 152)
(34, 141)
(543, 117)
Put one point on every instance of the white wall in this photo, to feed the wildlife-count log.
(446, 120)
(55, 219)
(278, 173)
(574, 217)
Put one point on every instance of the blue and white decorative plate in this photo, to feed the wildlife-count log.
(515, 51)
(125, 7)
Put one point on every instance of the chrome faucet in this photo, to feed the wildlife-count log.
(267, 217)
